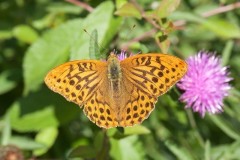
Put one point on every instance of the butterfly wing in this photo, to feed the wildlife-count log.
(76, 80)
(145, 77)
(99, 109)
(84, 83)
(137, 105)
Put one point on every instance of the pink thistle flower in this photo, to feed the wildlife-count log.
(205, 84)
(123, 55)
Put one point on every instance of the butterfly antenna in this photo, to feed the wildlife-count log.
(127, 37)
(129, 33)
(133, 27)
(123, 50)
(115, 51)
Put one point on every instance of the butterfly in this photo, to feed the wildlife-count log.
(117, 93)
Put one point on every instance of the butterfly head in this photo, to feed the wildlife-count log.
(123, 55)
(112, 54)
(113, 58)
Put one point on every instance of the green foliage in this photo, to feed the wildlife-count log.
(128, 10)
(49, 50)
(94, 51)
(102, 20)
(32, 122)
(39, 35)
(166, 8)
(47, 136)
(8, 80)
(25, 33)
(127, 148)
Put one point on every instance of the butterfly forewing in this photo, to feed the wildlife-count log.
(153, 73)
(77, 81)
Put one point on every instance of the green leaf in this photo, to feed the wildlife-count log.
(137, 129)
(6, 133)
(100, 19)
(222, 28)
(226, 151)
(5, 34)
(94, 50)
(227, 52)
(40, 110)
(120, 3)
(128, 10)
(166, 7)
(25, 143)
(126, 148)
(64, 7)
(34, 121)
(112, 131)
(45, 22)
(25, 33)
(9, 80)
(83, 152)
(179, 152)
(47, 137)
(225, 127)
(47, 52)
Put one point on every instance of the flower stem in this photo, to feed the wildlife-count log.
(194, 127)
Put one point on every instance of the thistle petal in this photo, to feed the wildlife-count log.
(206, 84)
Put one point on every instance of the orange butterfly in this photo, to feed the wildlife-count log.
(117, 92)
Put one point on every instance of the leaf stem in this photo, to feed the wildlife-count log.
(221, 9)
(139, 38)
(104, 152)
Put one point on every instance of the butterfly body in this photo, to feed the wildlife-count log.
(117, 93)
(114, 76)
(114, 68)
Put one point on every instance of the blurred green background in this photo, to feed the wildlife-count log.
(36, 36)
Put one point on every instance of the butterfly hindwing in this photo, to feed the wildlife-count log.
(138, 105)
(99, 111)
